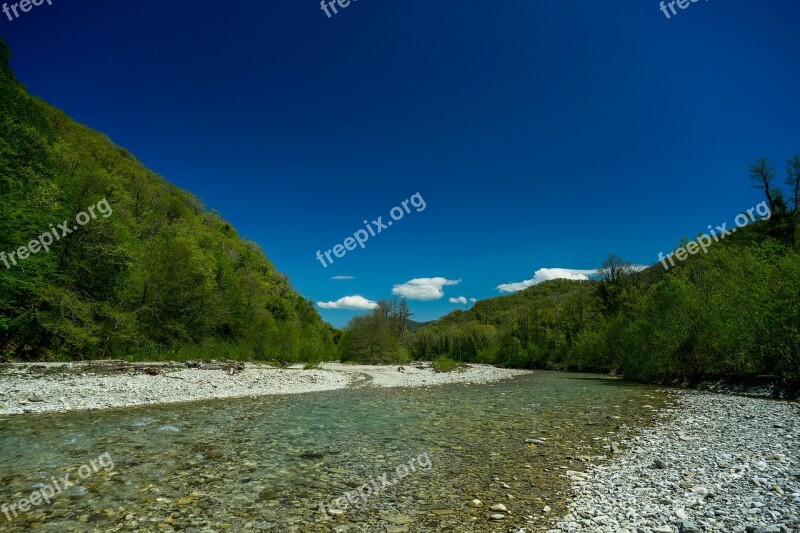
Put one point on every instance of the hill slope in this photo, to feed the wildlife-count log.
(733, 312)
(150, 273)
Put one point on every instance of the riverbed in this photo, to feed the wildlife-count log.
(288, 462)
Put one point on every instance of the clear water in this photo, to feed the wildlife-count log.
(266, 464)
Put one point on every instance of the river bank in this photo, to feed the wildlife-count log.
(715, 462)
(60, 387)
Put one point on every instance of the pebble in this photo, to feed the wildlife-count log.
(714, 462)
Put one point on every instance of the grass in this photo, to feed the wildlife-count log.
(445, 364)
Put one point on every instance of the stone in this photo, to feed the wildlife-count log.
(688, 527)
(499, 507)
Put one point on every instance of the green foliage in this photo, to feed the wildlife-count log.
(375, 338)
(732, 312)
(445, 364)
(530, 328)
(159, 278)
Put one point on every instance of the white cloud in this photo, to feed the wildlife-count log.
(546, 274)
(343, 277)
(353, 303)
(423, 289)
(459, 300)
(473, 300)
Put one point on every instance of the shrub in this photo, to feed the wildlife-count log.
(445, 364)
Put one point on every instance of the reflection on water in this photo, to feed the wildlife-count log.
(267, 464)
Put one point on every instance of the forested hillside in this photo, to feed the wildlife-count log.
(731, 312)
(158, 276)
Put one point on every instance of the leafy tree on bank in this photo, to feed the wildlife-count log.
(375, 338)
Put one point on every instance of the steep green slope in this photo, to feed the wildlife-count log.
(151, 274)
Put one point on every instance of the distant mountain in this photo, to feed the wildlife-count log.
(126, 264)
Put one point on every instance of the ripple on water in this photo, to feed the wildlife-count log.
(144, 422)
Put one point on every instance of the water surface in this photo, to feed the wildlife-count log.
(266, 464)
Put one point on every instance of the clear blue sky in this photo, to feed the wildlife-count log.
(540, 134)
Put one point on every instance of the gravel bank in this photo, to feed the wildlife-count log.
(715, 463)
(58, 387)
(419, 375)
(21, 393)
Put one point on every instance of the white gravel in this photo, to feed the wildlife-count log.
(419, 375)
(715, 463)
(22, 391)
(97, 391)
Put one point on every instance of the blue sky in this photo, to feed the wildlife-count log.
(541, 135)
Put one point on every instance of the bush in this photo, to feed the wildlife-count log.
(445, 364)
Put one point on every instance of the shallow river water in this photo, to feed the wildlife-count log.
(418, 456)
